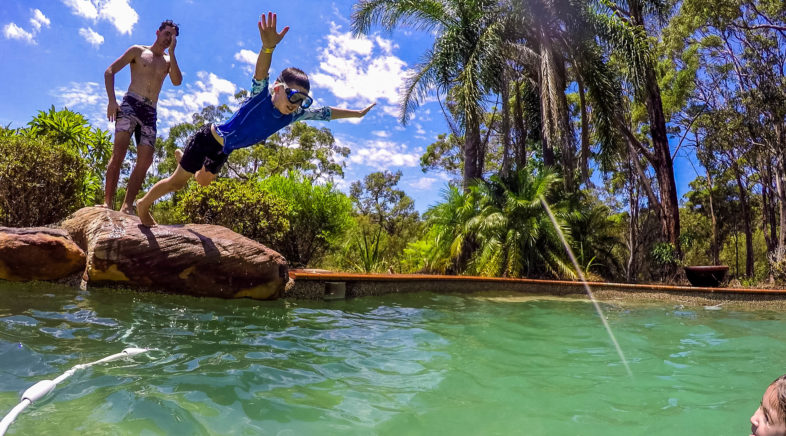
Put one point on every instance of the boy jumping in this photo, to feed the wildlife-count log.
(266, 111)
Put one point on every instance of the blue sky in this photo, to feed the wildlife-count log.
(55, 53)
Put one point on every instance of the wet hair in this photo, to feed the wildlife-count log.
(295, 76)
(170, 23)
(780, 395)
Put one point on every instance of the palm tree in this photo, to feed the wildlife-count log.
(554, 42)
(514, 233)
(464, 60)
(596, 235)
(504, 223)
(451, 239)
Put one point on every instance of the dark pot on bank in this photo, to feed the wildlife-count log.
(707, 276)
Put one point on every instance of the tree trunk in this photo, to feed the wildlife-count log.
(661, 156)
(547, 103)
(585, 146)
(780, 187)
(746, 219)
(715, 247)
(780, 190)
(505, 95)
(521, 130)
(768, 227)
(714, 243)
(471, 151)
(632, 270)
(565, 127)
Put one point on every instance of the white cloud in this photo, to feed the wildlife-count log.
(87, 98)
(382, 155)
(391, 110)
(423, 183)
(381, 133)
(83, 8)
(175, 106)
(81, 95)
(91, 36)
(117, 12)
(12, 31)
(248, 60)
(360, 70)
(39, 19)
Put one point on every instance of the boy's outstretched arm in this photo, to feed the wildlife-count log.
(336, 113)
(270, 38)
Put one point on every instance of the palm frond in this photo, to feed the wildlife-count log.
(424, 15)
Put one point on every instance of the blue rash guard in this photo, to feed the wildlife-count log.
(257, 118)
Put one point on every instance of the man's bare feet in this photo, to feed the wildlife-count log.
(128, 210)
(178, 155)
(143, 210)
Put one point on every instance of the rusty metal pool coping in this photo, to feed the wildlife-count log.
(320, 275)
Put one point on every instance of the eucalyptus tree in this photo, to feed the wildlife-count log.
(464, 59)
(386, 221)
(623, 27)
(742, 51)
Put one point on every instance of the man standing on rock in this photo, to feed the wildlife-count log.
(137, 114)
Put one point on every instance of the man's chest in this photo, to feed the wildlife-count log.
(151, 65)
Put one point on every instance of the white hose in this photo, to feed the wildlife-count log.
(42, 388)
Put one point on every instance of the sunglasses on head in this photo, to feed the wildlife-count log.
(297, 97)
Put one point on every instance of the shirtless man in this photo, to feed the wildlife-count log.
(137, 114)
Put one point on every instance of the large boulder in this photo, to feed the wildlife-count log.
(38, 253)
(197, 259)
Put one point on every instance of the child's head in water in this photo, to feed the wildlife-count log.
(770, 418)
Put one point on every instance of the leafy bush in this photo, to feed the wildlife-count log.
(363, 248)
(51, 168)
(93, 145)
(41, 180)
(318, 216)
(239, 206)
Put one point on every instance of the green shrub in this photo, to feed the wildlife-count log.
(318, 216)
(239, 206)
(93, 145)
(41, 180)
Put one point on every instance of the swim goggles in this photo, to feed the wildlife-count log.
(297, 97)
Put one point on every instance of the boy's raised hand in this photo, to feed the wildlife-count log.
(267, 30)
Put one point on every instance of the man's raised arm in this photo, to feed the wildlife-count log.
(175, 76)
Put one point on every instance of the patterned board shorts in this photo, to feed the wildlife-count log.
(137, 114)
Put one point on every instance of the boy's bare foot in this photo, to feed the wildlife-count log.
(143, 210)
(128, 210)
(178, 155)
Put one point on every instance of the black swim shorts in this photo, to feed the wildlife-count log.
(203, 149)
(137, 114)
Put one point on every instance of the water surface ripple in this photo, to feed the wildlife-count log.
(402, 364)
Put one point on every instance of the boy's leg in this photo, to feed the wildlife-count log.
(144, 158)
(172, 183)
(122, 139)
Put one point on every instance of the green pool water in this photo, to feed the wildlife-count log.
(415, 364)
